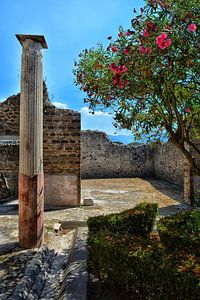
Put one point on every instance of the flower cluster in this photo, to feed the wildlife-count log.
(192, 27)
(145, 50)
(117, 79)
(163, 41)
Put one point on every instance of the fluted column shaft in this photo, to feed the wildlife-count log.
(31, 177)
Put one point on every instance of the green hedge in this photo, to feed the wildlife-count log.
(181, 231)
(145, 268)
(138, 220)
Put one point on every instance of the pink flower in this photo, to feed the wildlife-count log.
(145, 50)
(120, 34)
(128, 33)
(145, 33)
(114, 48)
(123, 69)
(113, 66)
(162, 41)
(192, 27)
(188, 110)
(122, 84)
(115, 82)
(125, 51)
(118, 69)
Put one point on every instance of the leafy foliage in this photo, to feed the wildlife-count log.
(165, 268)
(150, 75)
(138, 220)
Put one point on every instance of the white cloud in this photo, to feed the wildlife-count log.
(85, 110)
(60, 105)
(102, 121)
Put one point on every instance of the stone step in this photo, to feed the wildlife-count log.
(56, 278)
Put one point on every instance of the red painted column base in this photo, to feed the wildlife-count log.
(31, 210)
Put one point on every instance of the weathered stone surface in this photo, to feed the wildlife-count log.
(62, 190)
(100, 158)
(169, 163)
(31, 177)
(88, 201)
(61, 141)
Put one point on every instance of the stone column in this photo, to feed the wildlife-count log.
(31, 177)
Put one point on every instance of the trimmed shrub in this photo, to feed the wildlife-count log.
(138, 220)
(145, 268)
(181, 231)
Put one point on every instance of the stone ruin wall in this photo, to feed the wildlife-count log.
(169, 163)
(101, 158)
(61, 150)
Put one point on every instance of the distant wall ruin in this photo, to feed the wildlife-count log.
(61, 150)
(101, 158)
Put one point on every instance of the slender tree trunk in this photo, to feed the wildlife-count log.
(188, 179)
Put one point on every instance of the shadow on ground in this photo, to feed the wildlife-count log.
(173, 191)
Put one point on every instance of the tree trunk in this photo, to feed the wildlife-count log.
(188, 179)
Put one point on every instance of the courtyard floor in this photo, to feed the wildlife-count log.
(110, 195)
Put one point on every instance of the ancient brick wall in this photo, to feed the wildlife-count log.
(101, 158)
(61, 144)
(9, 165)
(9, 116)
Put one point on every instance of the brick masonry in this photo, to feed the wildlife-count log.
(61, 146)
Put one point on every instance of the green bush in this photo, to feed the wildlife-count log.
(149, 269)
(138, 220)
(181, 231)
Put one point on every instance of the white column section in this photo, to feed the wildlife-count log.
(31, 109)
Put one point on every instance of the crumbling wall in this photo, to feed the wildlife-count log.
(101, 158)
(61, 149)
(9, 165)
(169, 163)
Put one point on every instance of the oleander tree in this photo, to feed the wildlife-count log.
(149, 76)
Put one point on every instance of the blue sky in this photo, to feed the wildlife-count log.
(69, 26)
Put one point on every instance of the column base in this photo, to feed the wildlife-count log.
(62, 190)
(31, 210)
